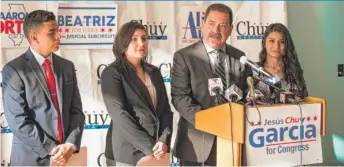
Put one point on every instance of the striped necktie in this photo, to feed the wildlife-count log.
(219, 67)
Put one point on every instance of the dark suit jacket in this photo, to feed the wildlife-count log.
(29, 109)
(137, 125)
(189, 89)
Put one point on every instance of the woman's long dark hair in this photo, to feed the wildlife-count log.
(122, 41)
(293, 72)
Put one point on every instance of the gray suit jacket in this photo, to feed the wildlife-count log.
(29, 109)
(189, 90)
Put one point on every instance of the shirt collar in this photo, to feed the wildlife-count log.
(40, 59)
(210, 49)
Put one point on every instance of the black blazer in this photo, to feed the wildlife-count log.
(189, 90)
(136, 124)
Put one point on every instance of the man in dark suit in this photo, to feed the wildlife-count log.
(193, 66)
(41, 98)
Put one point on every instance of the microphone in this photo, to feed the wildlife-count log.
(216, 90)
(273, 93)
(215, 87)
(244, 60)
(250, 82)
(258, 94)
(286, 97)
(250, 98)
(234, 93)
(274, 85)
(258, 98)
(218, 95)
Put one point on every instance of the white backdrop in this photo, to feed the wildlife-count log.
(171, 26)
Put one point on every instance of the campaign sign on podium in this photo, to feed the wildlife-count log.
(283, 135)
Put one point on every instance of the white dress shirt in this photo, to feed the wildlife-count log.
(212, 55)
(40, 59)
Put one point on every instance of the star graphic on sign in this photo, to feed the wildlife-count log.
(252, 123)
(102, 30)
(160, 22)
(308, 118)
(154, 22)
(260, 123)
(110, 29)
(94, 112)
(60, 29)
(315, 118)
(66, 30)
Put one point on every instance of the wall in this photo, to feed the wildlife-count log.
(317, 30)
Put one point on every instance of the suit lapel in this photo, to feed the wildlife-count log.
(139, 87)
(235, 67)
(37, 71)
(230, 66)
(59, 79)
(155, 78)
(203, 58)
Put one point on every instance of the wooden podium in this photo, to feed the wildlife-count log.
(323, 111)
(227, 122)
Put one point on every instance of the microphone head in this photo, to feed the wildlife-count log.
(234, 91)
(273, 80)
(250, 81)
(262, 98)
(215, 85)
(243, 60)
(286, 97)
(216, 90)
(258, 94)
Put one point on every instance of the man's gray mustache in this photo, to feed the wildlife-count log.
(216, 35)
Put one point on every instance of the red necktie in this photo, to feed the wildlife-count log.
(52, 88)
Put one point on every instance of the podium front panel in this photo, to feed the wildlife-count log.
(283, 135)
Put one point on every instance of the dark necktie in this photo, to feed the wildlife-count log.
(219, 67)
(52, 88)
(219, 71)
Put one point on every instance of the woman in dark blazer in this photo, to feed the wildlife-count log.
(135, 97)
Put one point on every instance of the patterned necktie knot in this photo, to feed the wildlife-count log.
(216, 51)
(220, 55)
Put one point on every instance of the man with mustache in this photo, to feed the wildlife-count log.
(41, 98)
(193, 67)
